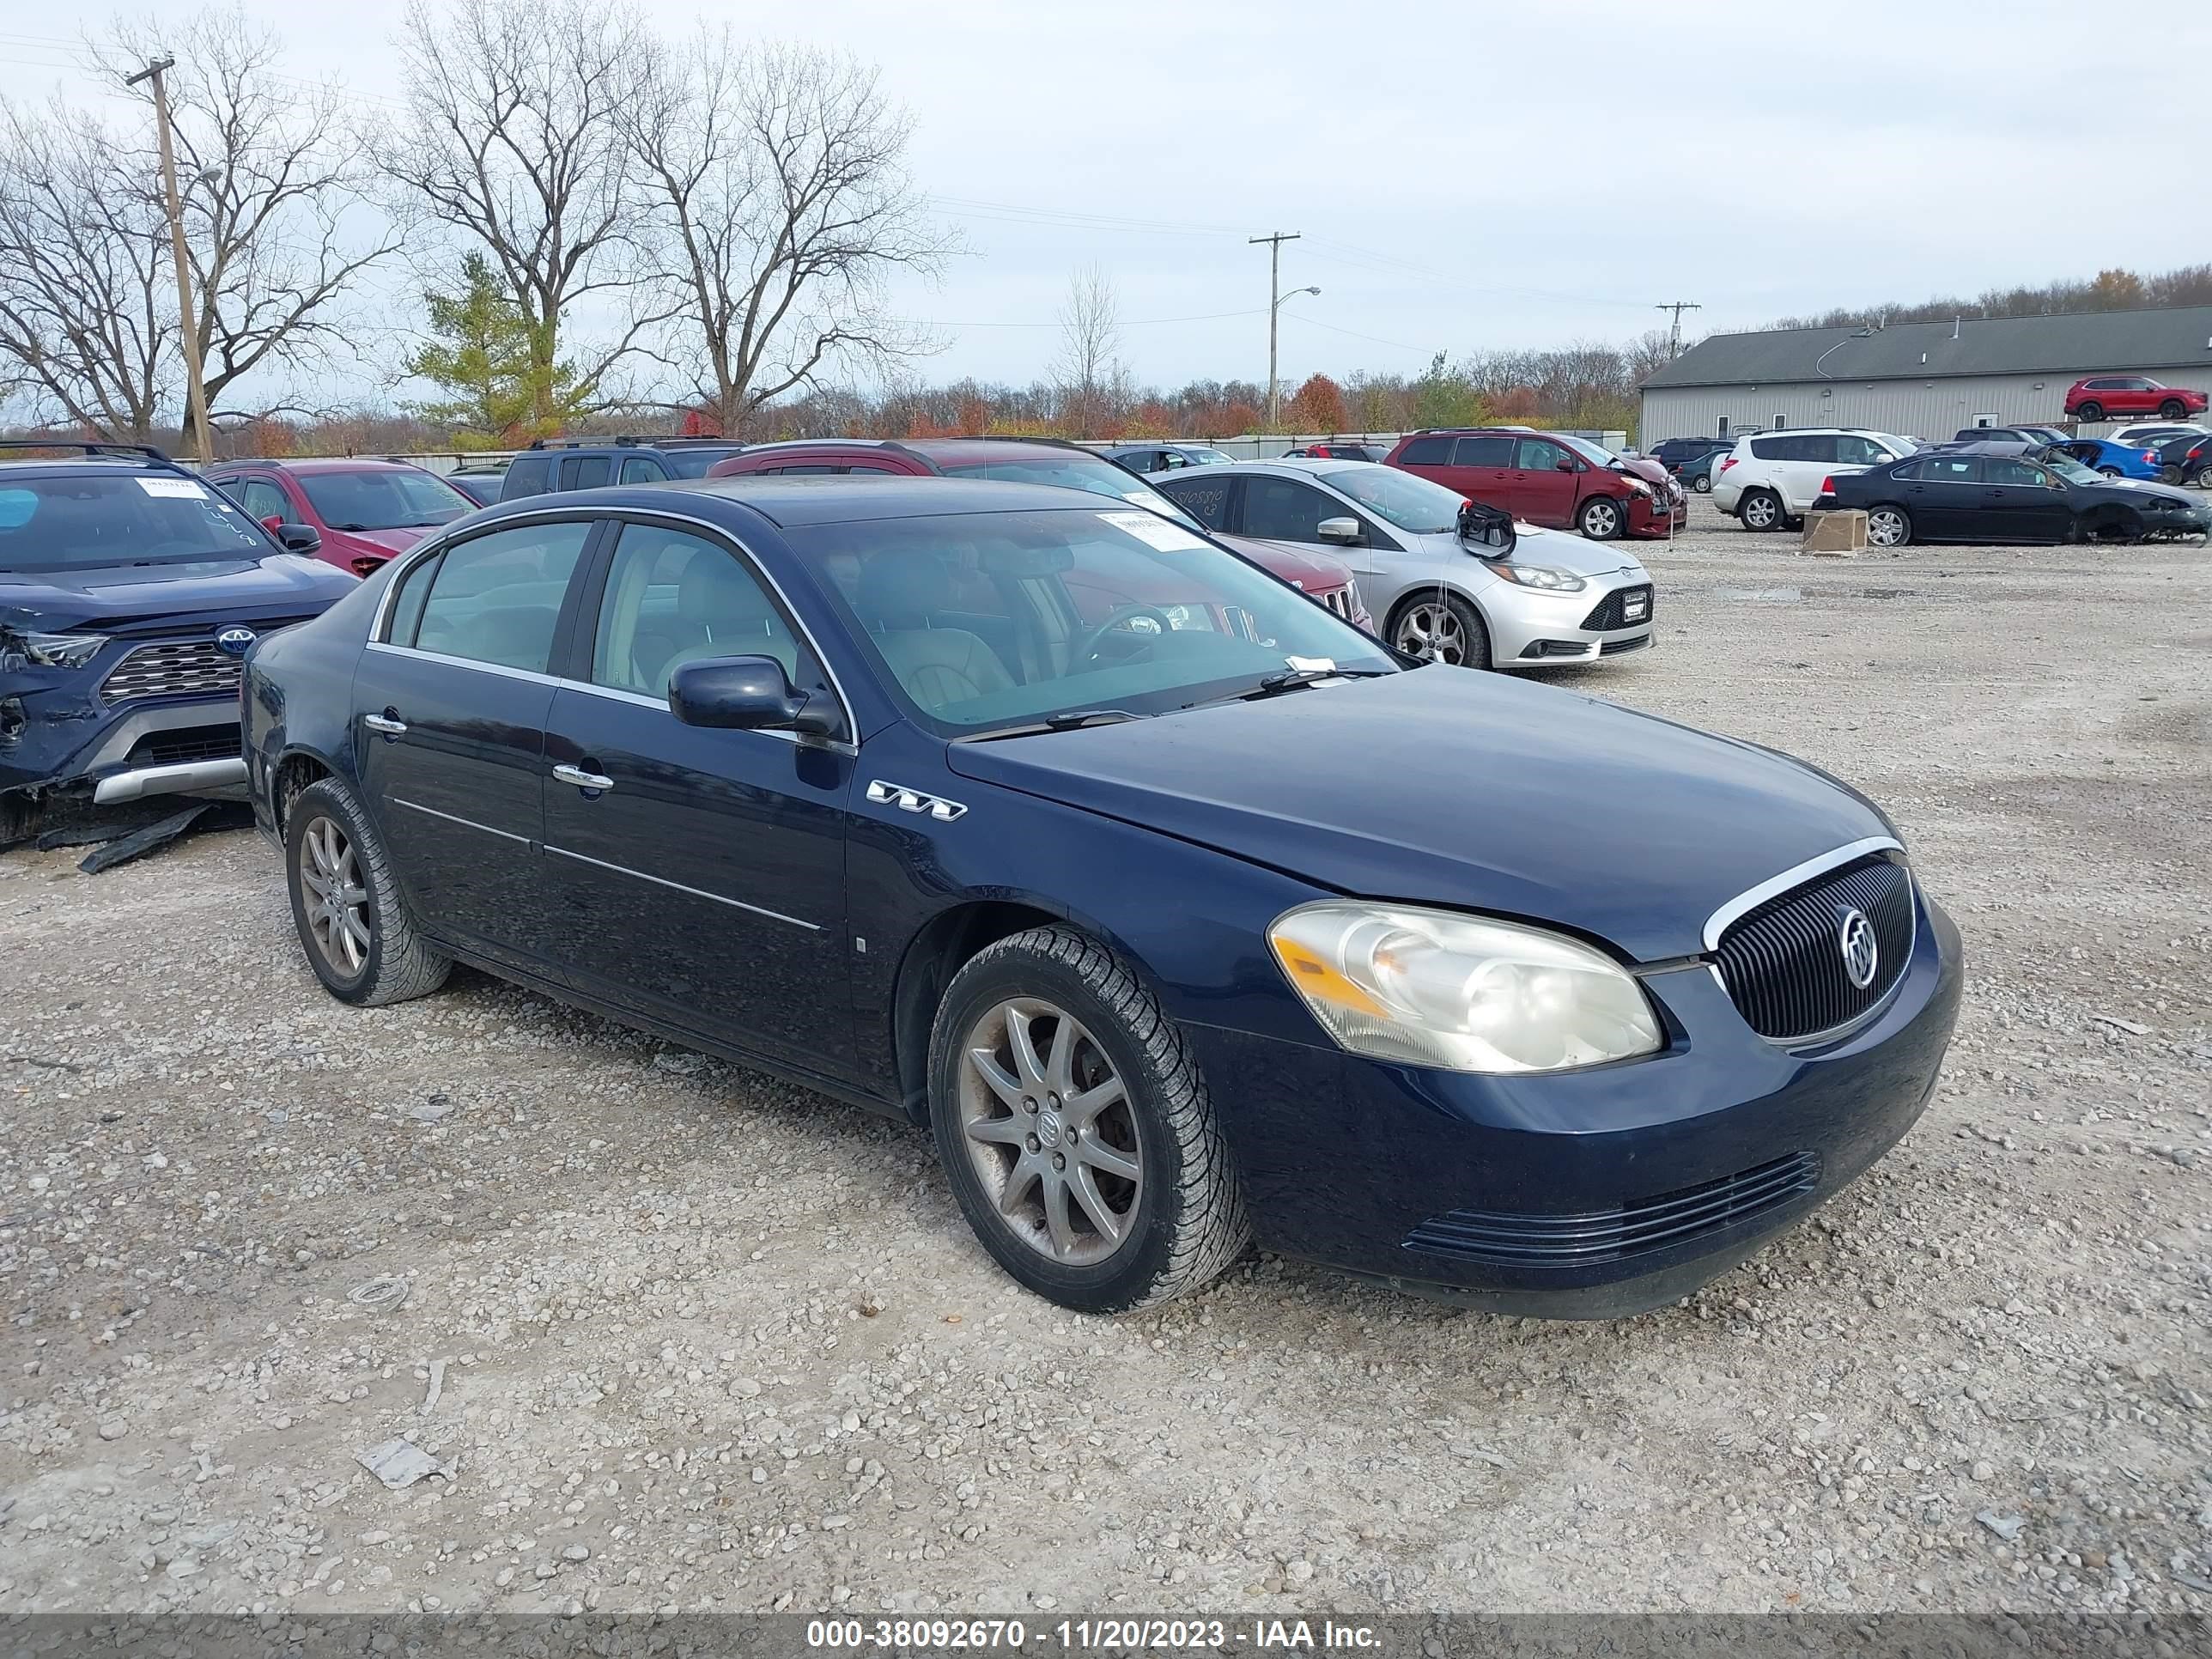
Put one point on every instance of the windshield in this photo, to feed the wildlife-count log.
(1413, 504)
(403, 498)
(80, 520)
(1207, 457)
(1586, 449)
(689, 463)
(1074, 469)
(2071, 470)
(985, 620)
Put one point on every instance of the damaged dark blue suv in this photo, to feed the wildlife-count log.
(1181, 910)
(130, 594)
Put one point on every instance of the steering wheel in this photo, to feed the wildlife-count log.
(1087, 647)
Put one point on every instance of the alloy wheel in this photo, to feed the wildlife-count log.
(1885, 527)
(1601, 519)
(1049, 1127)
(1759, 512)
(334, 896)
(1432, 633)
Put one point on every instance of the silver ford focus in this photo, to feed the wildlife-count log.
(1542, 600)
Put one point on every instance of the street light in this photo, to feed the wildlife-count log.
(1275, 399)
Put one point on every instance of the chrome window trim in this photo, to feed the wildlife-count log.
(466, 823)
(1795, 876)
(695, 892)
(429, 548)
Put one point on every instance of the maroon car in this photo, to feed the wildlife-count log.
(365, 511)
(1550, 479)
(1042, 461)
(2103, 396)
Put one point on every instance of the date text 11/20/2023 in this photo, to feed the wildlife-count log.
(1087, 1635)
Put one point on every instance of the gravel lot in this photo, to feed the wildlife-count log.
(698, 1338)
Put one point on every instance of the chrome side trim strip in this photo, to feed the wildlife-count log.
(695, 892)
(501, 669)
(1795, 876)
(465, 824)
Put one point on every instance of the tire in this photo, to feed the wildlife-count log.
(1703, 483)
(2171, 475)
(1760, 509)
(396, 963)
(2090, 411)
(1888, 525)
(2171, 410)
(1439, 626)
(2108, 472)
(1184, 1221)
(1601, 519)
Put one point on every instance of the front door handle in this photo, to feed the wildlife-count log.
(386, 723)
(582, 779)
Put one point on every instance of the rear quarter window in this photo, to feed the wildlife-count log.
(530, 474)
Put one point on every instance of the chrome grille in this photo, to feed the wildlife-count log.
(1782, 962)
(1342, 600)
(172, 668)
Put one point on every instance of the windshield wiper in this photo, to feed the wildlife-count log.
(1290, 679)
(1071, 720)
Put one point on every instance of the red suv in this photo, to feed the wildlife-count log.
(365, 511)
(2105, 395)
(1549, 478)
(1043, 461)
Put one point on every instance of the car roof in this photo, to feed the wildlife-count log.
(321, 464)
(830, 498)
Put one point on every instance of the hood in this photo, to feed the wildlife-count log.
(144, 598)
(2133, 488)
(1316, 572)
(1643, 466)
(398, 539)
(1534, 545)
(1467, 790)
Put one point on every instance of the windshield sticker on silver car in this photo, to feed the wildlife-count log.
(1154, 532)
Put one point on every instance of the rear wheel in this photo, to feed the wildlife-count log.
(1439, 626)
(1601, 519)
(1076, 1128)
(352, 923)
(2171, 410)
(2108, 472)
(1703, 483)
(1760, 509)
(1888, 525)
(2092, 411)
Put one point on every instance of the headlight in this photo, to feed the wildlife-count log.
(1428, 987)
(1540, 575)
(52, 650)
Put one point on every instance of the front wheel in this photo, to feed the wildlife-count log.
(1703, 483)
(2090, 411)
(2171, 410)
(1888, 526)
(352, 926)
(1440, 626)
(1601, 519)
(1076, 1129)
(1760, 509)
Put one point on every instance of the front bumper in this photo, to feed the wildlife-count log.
(1374, 1169)
(1650, 520)
(72, 745)
(1531, 627)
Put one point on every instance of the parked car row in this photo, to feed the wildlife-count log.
(1995, 493)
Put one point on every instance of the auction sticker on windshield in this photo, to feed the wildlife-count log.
(174, 488)
(1154, 532)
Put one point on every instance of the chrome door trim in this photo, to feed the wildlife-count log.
(583, 780)
(466, 823)
(501, 669)
(1795, 876)
(695, 892)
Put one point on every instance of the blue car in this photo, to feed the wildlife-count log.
(129, 592)
(1181, 913)
(2113, 460)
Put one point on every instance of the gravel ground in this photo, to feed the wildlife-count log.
(691, 1338)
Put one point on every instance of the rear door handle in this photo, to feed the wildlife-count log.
(582, 779)
(386, 723)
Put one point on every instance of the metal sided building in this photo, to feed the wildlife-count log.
(1919, 380)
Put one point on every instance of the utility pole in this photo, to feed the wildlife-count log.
(198, 437)
(1274, 303)
(1674, 329)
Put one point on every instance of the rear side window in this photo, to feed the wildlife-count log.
(1206, 500)
(585, 471)
(496, 598)
(1483, 452)
(530, 474)
(1425, 451)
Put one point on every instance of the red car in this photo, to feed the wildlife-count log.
(1043, 461)
(364, 510)
(2103, 396)
(1549, 478)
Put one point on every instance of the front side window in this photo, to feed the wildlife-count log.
(77, 521)
(979, 621)
(1420, 506)
(263, 501)
(642, 469)
(2005, 469)
(402, 498)
(1860, 451)
(1539, 455)
(673, 598)
(496, 598)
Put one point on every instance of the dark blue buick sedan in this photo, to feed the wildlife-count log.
(1181, 911)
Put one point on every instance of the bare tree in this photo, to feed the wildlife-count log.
(272, 171)
(777, 208)
(88, 315)
(514, 139)
(1088, 369)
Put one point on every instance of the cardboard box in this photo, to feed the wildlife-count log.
(1839, 534)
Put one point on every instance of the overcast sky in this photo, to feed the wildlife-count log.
(1465, 175)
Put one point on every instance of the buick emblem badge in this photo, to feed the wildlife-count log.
(1861, 951)
(235, 641)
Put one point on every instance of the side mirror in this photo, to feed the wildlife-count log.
(745, 693)
(299, 538)
(1563, 466)
(1344, 532)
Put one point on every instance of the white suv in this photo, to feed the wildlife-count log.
(1774, 476)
